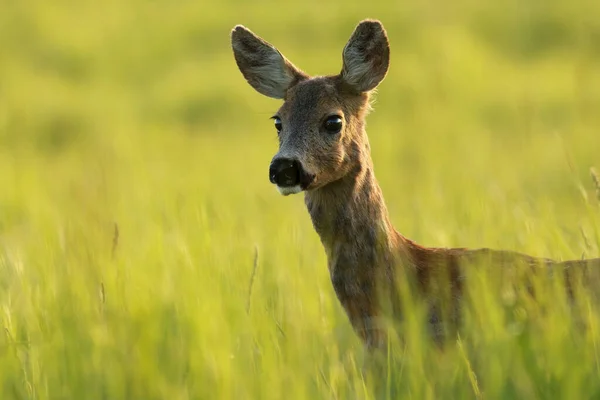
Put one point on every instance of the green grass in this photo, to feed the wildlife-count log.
(132, 117)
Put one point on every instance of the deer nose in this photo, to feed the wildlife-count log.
(284, 172)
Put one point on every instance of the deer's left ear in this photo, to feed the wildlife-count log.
(263, 66)
(366, 56)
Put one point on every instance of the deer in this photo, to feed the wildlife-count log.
(324, 152)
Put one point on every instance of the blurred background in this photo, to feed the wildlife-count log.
(133, 174)
(478, 93)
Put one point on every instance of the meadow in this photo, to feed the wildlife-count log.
(145, 255)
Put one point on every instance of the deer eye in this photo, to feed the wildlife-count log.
(333, 124)
(278, 126)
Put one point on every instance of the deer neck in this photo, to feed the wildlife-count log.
(352, 221)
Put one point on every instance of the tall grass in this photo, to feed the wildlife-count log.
(144, 254)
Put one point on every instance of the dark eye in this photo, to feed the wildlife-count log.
(333, 124)
(277, 124)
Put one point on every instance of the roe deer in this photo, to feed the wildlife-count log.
(324, 151)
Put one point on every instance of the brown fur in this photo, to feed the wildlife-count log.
(366, 255)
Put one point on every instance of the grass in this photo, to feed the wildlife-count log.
(144, 254)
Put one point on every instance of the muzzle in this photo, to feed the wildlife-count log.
(289, 175)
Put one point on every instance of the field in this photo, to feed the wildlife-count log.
(145, 255)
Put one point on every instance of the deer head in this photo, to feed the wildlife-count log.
(321, 122)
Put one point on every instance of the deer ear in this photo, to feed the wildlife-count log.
(263, 66)
(366, 56)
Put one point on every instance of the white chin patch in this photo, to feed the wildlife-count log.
(287, 190)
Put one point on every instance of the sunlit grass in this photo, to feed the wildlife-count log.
(135, 209)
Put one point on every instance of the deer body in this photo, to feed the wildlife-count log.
(324, 151)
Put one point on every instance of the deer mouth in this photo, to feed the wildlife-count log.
(304, 183)
(287, 190)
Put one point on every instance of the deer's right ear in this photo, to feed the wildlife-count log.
(263, 66)
(366, 56)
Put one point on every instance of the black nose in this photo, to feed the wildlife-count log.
(284, 172)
